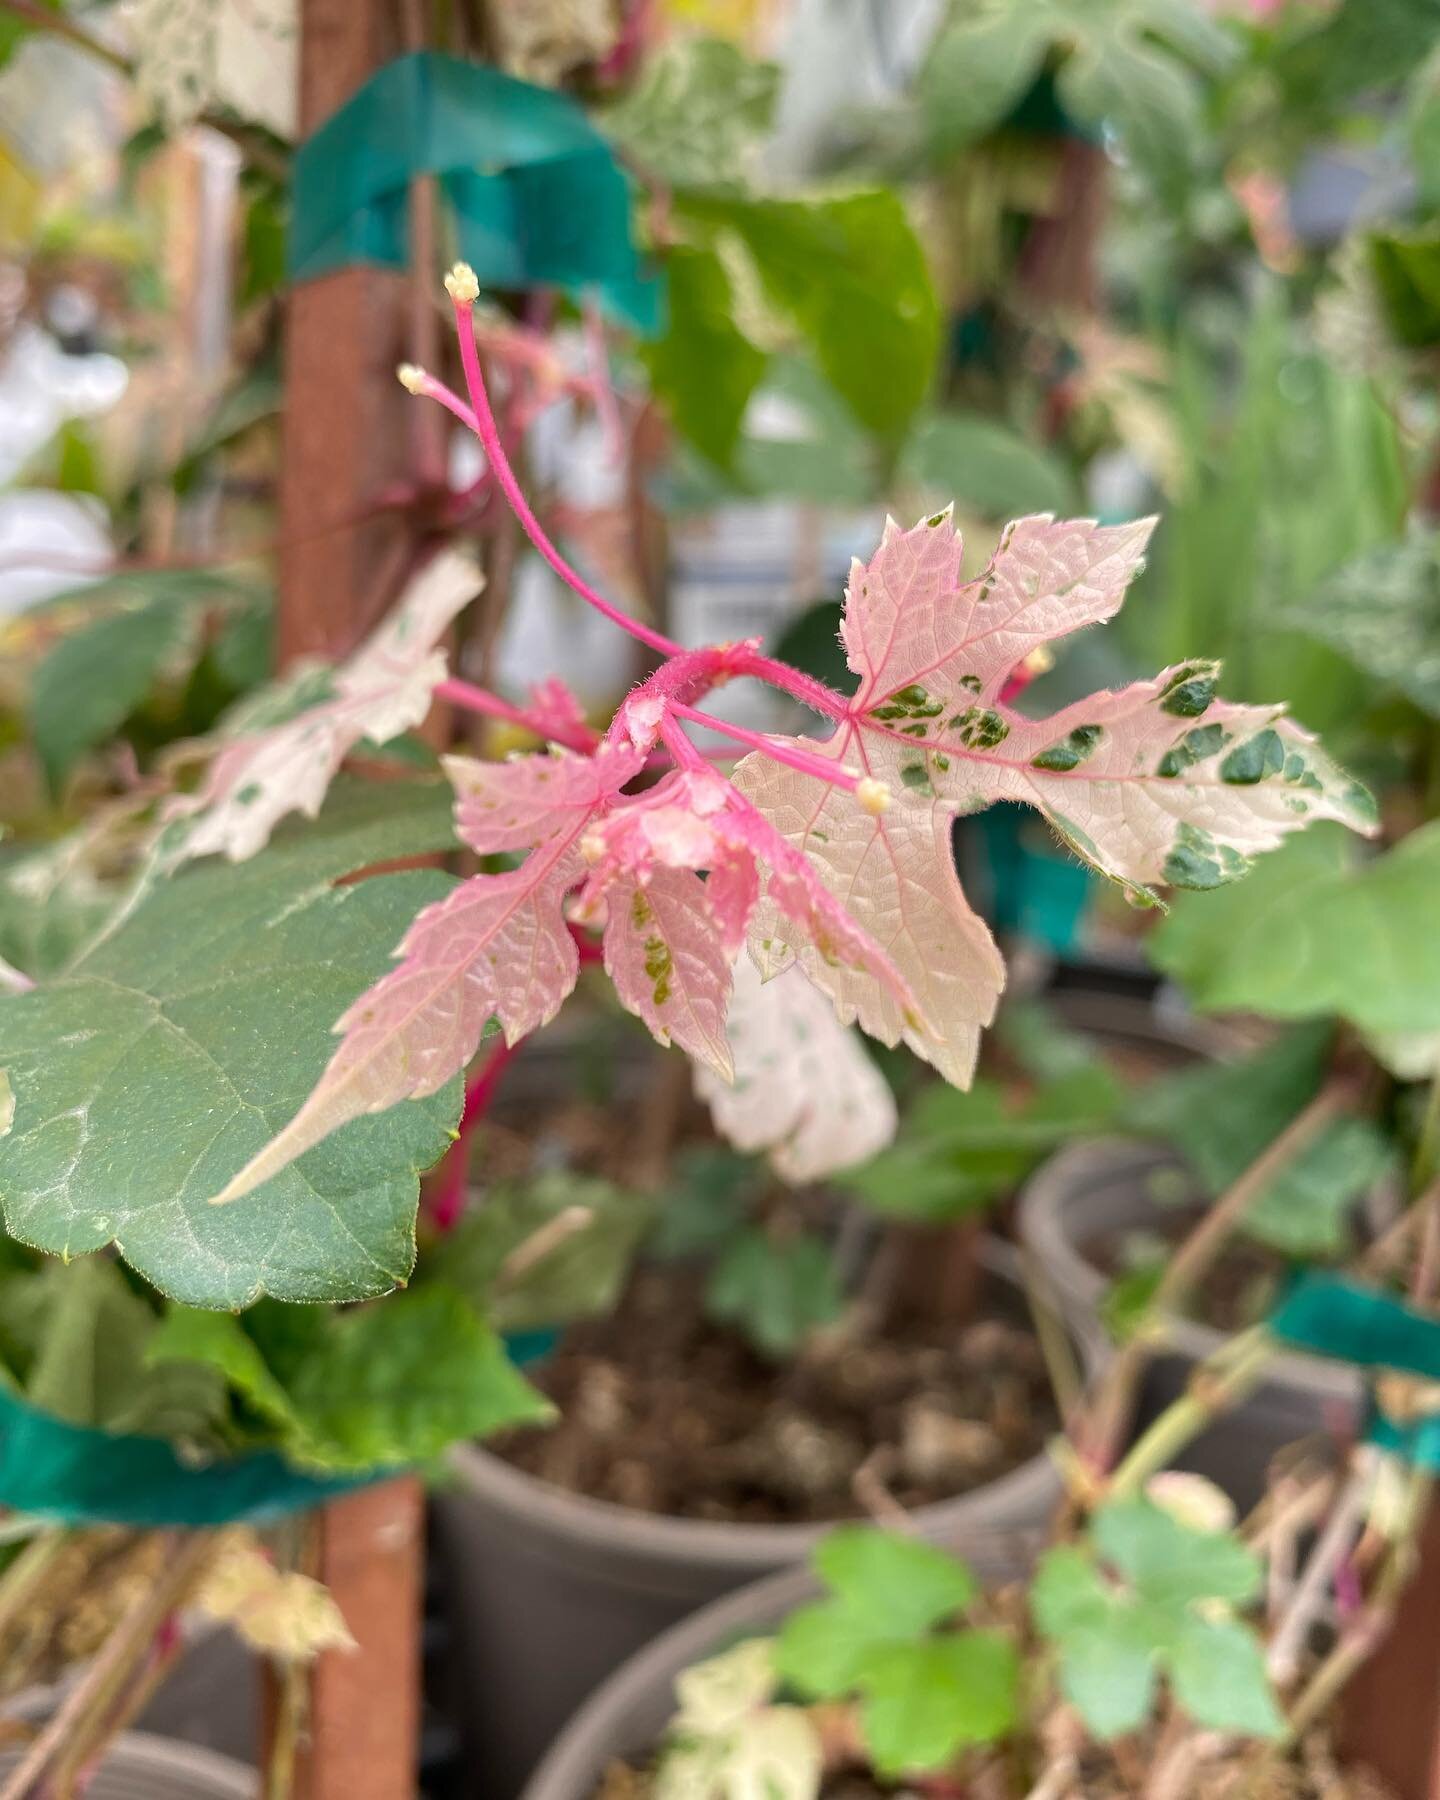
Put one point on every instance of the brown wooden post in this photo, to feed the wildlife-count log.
(346, 439)
(1390, 1713)
(346, 428)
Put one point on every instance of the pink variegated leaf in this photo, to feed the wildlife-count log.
(497, 947)
(1148, 793)
(1160, 782)
(382, 690)
(527, 799)
(911, 623)
(894, 875)
(557, 712)
(695, 819)
(666, 954)
(804, 1089)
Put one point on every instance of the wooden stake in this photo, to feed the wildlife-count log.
(1390, 1714)
(347, 440)
(359, 1733)
(347, 426)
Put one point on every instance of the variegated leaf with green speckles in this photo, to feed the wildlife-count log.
(1159, 782)
(180, 1042)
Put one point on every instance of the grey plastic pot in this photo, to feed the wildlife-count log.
(141, 1767)
(1088, 1193)
(626, 1715)
(548, 1591)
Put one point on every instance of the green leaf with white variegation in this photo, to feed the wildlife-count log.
(287, 766)
(1382, 611)
(1157, 782)
(695, 116)
(178, 1045)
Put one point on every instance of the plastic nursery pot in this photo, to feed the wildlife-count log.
(550, 1591)
(626, 1715)
(1090, 1193)
(140, 1767)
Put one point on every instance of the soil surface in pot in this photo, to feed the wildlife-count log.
(663, 1411)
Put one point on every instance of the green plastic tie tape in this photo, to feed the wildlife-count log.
(535, 193)
(76, 1475)
(1334, 1317)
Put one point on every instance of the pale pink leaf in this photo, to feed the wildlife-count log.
(557, 712)
(895, 877)
(527, 799)
(910, 621)
(666, 954)
(696, 820)
(804, 1089)
(497, 947)
(382, 690)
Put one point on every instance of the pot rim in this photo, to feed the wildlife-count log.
(1046, 1221)
(215, 1777)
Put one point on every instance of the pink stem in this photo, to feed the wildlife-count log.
(804, 687)
(421, 381)
(590, 950)
(776, 749)
(447, 1196)
(470, 698)
(490, 437)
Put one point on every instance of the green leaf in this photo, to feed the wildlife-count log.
(1109, 1676)
(903, 1585)
(1108, 1668)
(578, 1279)
(695, 116)
(180, 1044)
(1221, 1115)
(979, 67)
(400, 1383)
(704, 368)
(82, 1333)
(958, 1152)
(852, 275)
(220, 1342)
(1170, 1563)
(714, 1186)
(1308, 1210)
(91, 682)
(1358, 940)
(988, 465)
(1382, 612)
(1406, 270)
(822, 1649)
(96, 675)
(1150, 98)
(1114, 1642)
(369, 1387)
(922, 1702)
(1218, 1672)
(775, 1292)
(50, 905)
(1361, 44)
